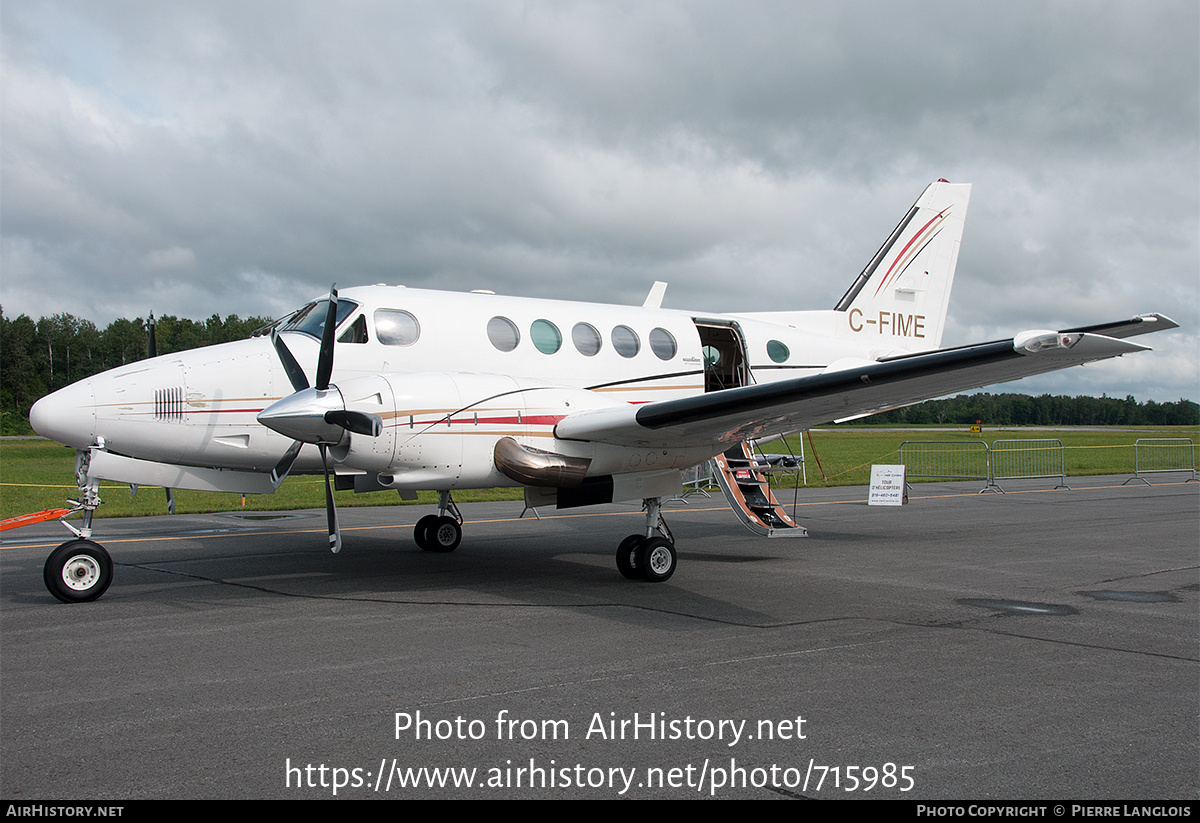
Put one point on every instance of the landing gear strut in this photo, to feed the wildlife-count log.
(441, 532)
(650, 557)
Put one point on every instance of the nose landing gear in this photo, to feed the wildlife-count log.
(80, 570)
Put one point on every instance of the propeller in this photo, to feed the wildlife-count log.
(315, 414)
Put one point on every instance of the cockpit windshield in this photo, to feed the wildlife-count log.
(310, 320)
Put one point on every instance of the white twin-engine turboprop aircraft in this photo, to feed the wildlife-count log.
(580, 403)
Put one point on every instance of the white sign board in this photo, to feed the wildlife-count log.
(887, 486)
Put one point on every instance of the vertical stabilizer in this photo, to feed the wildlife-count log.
(901, 296)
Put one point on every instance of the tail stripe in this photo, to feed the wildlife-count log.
(925, 235)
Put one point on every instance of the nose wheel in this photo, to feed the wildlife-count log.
(78, 571)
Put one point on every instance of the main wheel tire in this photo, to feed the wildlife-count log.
(78, 571)
(444, 535)
(656, 560)
(421, 531)
(626, 556)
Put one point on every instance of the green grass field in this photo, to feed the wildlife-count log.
(39, 474)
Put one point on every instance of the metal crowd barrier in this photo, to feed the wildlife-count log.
(697, 480)
(1026, 459)
(975, 460)
(946, 459)
(1160, 455)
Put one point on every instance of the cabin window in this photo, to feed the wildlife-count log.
(625, 341)
(712, 356)
(586, 339)
(395, 327)
(662, 343)
(546, 336)
(503, 333)
(777, 351)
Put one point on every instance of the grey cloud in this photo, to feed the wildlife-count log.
(225, 157)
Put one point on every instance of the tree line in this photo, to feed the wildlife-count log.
(43, 355)
(1044, 410)
(38, 357)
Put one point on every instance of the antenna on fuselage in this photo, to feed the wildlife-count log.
(152, 344)
(655, 297)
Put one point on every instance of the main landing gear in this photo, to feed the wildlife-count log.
(649, 557)
(441, 532)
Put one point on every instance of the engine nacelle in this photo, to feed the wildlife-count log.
(371, 395)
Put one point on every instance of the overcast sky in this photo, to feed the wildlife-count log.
(200, 158)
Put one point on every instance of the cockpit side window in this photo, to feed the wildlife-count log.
(311, 319)
(356, 332)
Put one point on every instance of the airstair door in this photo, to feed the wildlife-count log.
(743, 478)
(738, 473)
(724, 352)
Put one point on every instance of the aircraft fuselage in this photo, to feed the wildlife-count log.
(458, 372)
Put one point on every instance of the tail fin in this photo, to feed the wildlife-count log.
(901, 296)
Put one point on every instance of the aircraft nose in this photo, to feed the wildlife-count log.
(67, 416)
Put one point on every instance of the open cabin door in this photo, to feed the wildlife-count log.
(742, 479)
(724, 352)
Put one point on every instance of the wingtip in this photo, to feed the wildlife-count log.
(1161, 321)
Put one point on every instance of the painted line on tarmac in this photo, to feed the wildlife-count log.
(674, 512)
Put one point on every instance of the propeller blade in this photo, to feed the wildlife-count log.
(280, 472)
(335, 533)
(294, 373)
(356, 422)
(325, 359)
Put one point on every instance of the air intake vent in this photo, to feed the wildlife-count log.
(168, 404)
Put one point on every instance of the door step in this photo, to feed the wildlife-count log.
(744, 481)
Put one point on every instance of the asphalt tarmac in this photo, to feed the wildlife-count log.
(1032, 645)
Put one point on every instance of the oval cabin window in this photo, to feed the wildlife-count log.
(625, 341)
(545, 336)
(394, 327)
(662, 343)
(503, 333)
(586, 339)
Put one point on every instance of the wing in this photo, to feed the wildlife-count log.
(769, 409)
